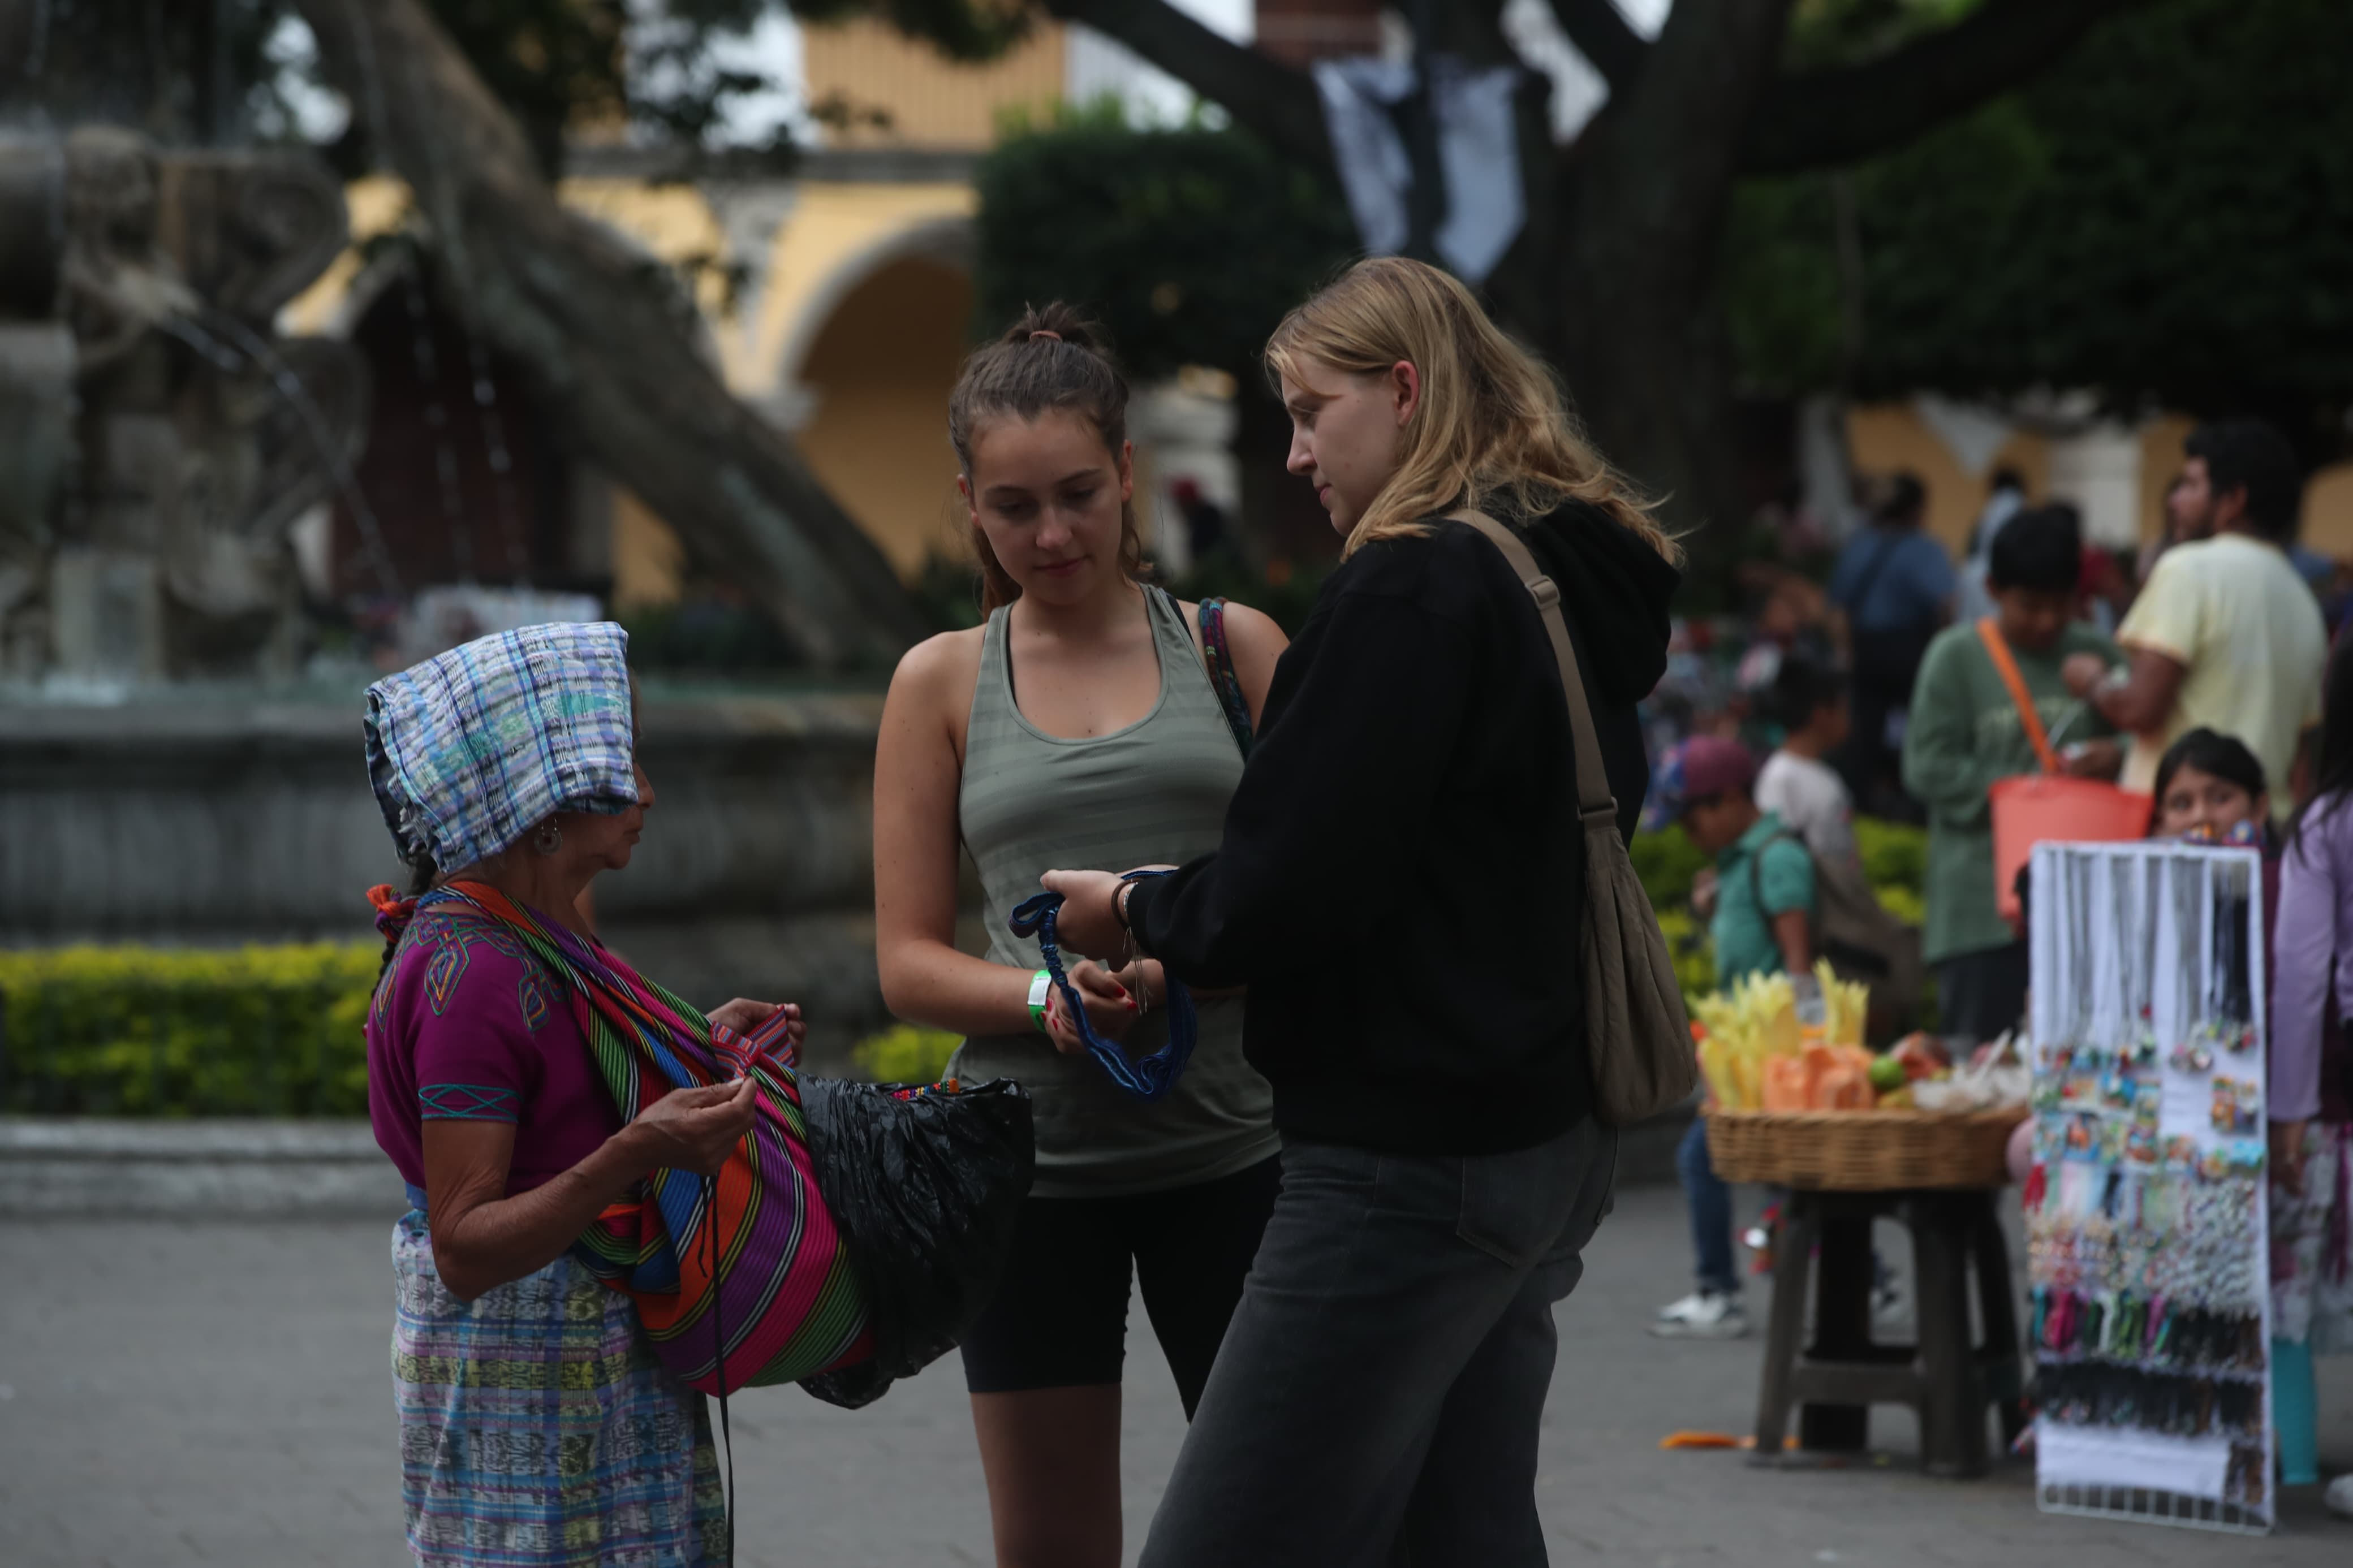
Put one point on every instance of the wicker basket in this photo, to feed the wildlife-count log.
(1861, 1151)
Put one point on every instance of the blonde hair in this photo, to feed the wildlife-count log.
(1492, 431)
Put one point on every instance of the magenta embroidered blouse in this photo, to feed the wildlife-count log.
(469, 1026)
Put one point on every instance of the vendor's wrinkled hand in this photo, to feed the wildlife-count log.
(696, 1128)
(1086, 924)
(1111, 1008)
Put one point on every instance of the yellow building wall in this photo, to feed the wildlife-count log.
(2161, 459)
(882, 370)
(833, 229)
(1885, 438)
(932, 101)
(2328, 511)
(649, 560)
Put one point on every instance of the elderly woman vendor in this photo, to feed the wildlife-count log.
(536, 1425)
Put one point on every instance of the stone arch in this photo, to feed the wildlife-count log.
(870, 323)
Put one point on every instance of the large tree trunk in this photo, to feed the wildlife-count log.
(601, 337)
(1613, 277)
(1643, 203)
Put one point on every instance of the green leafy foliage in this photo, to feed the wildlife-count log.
(130, 1031)
(1666, 861)
(2168, 215)
(1687, 946)
(1188, 244)
(906, 1052)
(1894, 862)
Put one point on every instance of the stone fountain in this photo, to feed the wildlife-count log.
(159, 444)
(162, 451)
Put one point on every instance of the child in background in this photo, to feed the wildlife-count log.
(1795, 784)
(1762, 924)
(2210, 789)
(1967, 733)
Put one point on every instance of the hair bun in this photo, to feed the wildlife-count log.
(1056, 321)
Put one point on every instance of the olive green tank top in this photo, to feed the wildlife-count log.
(1152, 794)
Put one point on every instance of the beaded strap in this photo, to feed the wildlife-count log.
(1222, 678)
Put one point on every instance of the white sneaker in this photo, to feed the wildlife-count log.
(1702, 1315)
(2339, 1495)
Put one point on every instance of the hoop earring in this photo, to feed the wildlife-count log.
(549, 839)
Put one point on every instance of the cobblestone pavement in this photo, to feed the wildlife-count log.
(217, 1393)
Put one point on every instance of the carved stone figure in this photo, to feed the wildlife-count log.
(143, 284)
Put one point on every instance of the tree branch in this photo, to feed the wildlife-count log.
(1263, 95)
(598, 336)
(1813, 119)
(1601, 33)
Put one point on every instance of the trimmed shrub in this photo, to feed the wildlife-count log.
(906, 1052)
(133, 1031)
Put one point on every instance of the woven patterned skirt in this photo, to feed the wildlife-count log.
(538, 1429)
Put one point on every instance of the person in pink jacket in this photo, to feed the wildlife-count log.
(2312, 1096)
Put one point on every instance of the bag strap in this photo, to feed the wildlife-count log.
(1997, 650)
(1220, 655)
(1594, 800)
(1756, 876)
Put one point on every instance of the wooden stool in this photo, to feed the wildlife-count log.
(1946, 1378)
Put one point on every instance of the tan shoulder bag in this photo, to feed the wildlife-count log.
(1636, 1035)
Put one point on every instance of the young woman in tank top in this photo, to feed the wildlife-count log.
(1079, 723)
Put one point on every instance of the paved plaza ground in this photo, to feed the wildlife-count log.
(217, 1393)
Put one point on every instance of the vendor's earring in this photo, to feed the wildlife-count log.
(549, 837)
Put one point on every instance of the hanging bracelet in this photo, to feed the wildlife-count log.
(1119, 905)
(1041, 986)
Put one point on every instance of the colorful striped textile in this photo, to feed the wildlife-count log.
(471, 748)
(785, 1296)
(538, 1429)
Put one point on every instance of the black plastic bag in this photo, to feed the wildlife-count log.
(926, 1190)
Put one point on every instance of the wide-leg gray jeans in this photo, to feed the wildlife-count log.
(1378, 1396)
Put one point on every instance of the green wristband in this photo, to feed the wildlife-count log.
(1041, 985)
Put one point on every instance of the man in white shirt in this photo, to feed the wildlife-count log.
(2225, 633)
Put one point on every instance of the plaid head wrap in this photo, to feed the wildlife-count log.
(472, 748)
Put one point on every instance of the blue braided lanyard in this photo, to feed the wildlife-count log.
(1147, 1078)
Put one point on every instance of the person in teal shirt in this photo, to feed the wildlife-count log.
(1758, 899)
(1760, 903)
(1764, 892)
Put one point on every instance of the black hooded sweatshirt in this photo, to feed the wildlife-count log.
(1402, 876)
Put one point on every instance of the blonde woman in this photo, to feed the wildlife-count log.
(1400, 885)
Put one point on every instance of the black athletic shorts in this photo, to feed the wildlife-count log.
(1060, 1318)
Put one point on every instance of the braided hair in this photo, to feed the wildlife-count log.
(421, 874)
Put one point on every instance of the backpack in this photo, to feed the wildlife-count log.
(1863, 943)
(1636, 1036)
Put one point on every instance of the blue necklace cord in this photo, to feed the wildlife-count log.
(1147, 1078)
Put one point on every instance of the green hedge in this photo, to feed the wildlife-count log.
(133, 1031)
(276, 1031)
(254, 1031)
